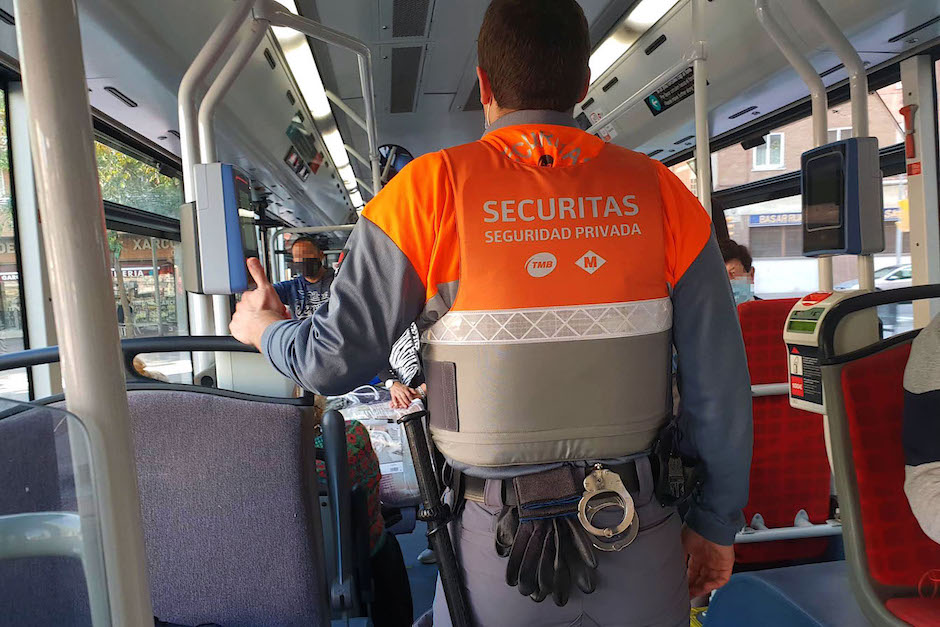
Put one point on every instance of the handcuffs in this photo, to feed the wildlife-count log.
(604, 489)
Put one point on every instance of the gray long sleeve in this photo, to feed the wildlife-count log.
(376, 295)
(715, 389)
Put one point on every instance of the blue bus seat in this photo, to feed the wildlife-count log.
(229, 503)
(812, 595)
(36, 471)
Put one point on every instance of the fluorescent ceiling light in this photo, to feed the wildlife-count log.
(356, 199)
(637, 22)
(648, 12)
(606, 55)
(304, 68)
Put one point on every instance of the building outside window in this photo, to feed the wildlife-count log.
(14, 384)
(769, 156)
(149, 299)
(838, 134)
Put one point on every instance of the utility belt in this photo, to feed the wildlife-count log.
(500, 492)
(550, 522)
(675, 476)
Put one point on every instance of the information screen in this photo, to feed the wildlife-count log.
(825, 191)
(801, 326)
(246, 216)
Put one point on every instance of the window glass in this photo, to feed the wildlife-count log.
(733, 166)
(14, 384)
(837, 134)
(130, 181)
(149, 297)
(772, 231)
(769, 156)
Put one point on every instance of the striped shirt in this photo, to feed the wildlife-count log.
(404, 360)
(922, 429)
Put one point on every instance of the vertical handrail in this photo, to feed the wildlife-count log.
(200, 305)
(62, 142)
(858, 91)
(703, 164)
(221, 85)
(221, 307)
(817, 91)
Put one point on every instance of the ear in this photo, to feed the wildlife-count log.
(486, 90)
(750, 275)
(585, 86)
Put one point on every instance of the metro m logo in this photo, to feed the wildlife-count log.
(590, 262)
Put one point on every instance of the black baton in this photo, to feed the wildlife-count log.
(436, 514)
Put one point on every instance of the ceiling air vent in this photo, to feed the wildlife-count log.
(406, 64)
(741, 112)
(473, 100)
(117, 93)
(654, 153)
(7, 18)
(410, 17)
(834, 68)
(910, 32)
(175, 134)
(684, 139)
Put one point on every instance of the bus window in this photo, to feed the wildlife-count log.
(14, 384)
(130, 181)
(149, 297)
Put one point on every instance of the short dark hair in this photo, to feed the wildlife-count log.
(731, 250)
(309, 240)
(535, 53)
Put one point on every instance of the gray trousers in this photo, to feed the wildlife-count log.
(644, 585)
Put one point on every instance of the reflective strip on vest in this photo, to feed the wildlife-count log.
(552, 324)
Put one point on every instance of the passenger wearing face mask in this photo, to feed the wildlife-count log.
(740, 267)
(310, 286)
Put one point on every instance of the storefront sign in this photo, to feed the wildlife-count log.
(891, 214)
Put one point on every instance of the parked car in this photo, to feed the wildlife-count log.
(885, 278)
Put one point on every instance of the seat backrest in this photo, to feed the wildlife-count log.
(36, 476)
(789, 467)
(228, 492)
(898, 552)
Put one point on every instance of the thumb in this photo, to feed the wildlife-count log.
(256, 270)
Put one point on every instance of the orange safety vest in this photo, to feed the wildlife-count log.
(552, 262)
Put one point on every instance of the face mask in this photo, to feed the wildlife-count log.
(309, 268)
(486, 120)
(743, 290)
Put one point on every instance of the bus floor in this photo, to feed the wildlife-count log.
(422, 577)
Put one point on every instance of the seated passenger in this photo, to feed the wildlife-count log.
(310, 287)
(392, 605)
(404, 378)
(740, 267)
(922, 429)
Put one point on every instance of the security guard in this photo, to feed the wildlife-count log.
(552, 275)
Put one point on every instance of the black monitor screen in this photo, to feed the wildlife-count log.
(825, 191)
(246, 217)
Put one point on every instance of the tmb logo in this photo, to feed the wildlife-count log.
(541, 264)
(590, 262)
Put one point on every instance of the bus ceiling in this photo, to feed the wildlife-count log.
(306, 154)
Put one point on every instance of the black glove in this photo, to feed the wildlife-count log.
(546, 545)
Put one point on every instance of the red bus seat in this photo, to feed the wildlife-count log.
(898, 552)
(789, 468)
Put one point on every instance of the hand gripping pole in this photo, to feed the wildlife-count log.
(436, 514)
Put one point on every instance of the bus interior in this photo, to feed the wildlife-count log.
(168, 471)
